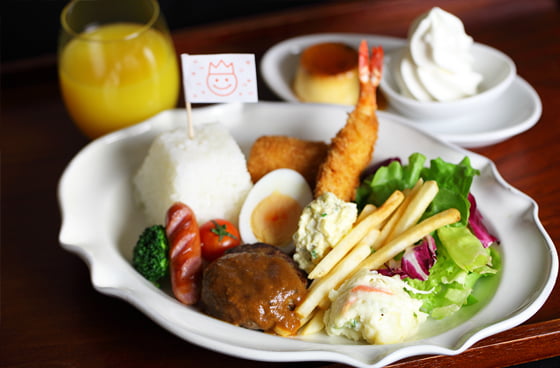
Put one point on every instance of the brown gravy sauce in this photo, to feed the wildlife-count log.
(256, 291)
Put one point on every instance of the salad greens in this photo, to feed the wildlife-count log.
(462, 250)
(454, 182)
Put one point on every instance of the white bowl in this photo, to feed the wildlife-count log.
(498, 72)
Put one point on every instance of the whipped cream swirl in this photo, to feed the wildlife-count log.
(437, 65)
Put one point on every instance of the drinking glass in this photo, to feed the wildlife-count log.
(116, 63)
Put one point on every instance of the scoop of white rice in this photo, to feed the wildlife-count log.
(208, 173)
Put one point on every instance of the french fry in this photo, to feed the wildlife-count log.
(351, 263)
(319, 289)
(410, 191)
(305, 320)
(416, 204)
(409, 237)
(314, 325)
(372, 221)
(366, 211)
(390, 224)
(282, 332)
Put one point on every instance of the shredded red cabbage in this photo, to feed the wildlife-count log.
(476, 225)
(415, 262)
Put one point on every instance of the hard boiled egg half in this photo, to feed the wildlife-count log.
(271, 211)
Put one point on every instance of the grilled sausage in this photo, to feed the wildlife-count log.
(184, 253)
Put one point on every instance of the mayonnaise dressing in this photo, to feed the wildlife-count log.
(321, 225)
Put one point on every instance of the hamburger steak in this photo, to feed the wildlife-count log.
(255, 286)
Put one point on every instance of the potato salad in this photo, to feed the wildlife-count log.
(374, 308)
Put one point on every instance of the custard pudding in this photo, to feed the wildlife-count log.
(328, 73)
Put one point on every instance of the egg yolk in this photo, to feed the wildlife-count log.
(275, 219)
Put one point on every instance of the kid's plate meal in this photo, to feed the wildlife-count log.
(434, 252)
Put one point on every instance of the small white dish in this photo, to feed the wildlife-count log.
(101, 223)
(498, 72)
(515, 111)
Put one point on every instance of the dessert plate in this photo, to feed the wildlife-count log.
(516, 111)
(101, 222)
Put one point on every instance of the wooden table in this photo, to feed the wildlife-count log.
(52, 317)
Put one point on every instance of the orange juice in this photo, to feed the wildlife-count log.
(117, 75)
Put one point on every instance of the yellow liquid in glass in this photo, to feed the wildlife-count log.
(118, 75)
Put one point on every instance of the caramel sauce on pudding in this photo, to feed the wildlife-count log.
(329, 59)
(328, 73)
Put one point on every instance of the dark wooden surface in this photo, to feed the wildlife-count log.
(50, 316)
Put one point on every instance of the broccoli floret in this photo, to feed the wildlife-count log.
(150, 256)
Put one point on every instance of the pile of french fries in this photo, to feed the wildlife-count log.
(378, 235)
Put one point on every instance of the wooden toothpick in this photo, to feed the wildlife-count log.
(189, 120)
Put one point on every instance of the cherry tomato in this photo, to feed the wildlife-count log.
(216, 237)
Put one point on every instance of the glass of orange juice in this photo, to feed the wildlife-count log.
(116, 63)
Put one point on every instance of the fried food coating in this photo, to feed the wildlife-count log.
(277, 152)
(350, 152)
(351, 149)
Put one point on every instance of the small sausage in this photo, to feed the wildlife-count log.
(184, 253)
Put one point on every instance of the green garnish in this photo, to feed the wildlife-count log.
(221, 231)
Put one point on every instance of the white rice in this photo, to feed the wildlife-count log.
(208, 173)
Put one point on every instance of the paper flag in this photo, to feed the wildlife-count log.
(219, 78)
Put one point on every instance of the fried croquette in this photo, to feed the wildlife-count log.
(276, 152)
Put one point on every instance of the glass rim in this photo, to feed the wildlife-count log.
(71, 31)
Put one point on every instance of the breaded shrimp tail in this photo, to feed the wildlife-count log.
(351, 150)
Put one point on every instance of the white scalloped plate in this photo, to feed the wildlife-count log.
(514, 112)
(101, 224)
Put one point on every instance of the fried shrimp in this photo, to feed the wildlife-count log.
(351, 150)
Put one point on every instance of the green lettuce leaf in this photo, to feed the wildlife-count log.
(464, 248)
(378, 187)
(454, 182)
(449, 286)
